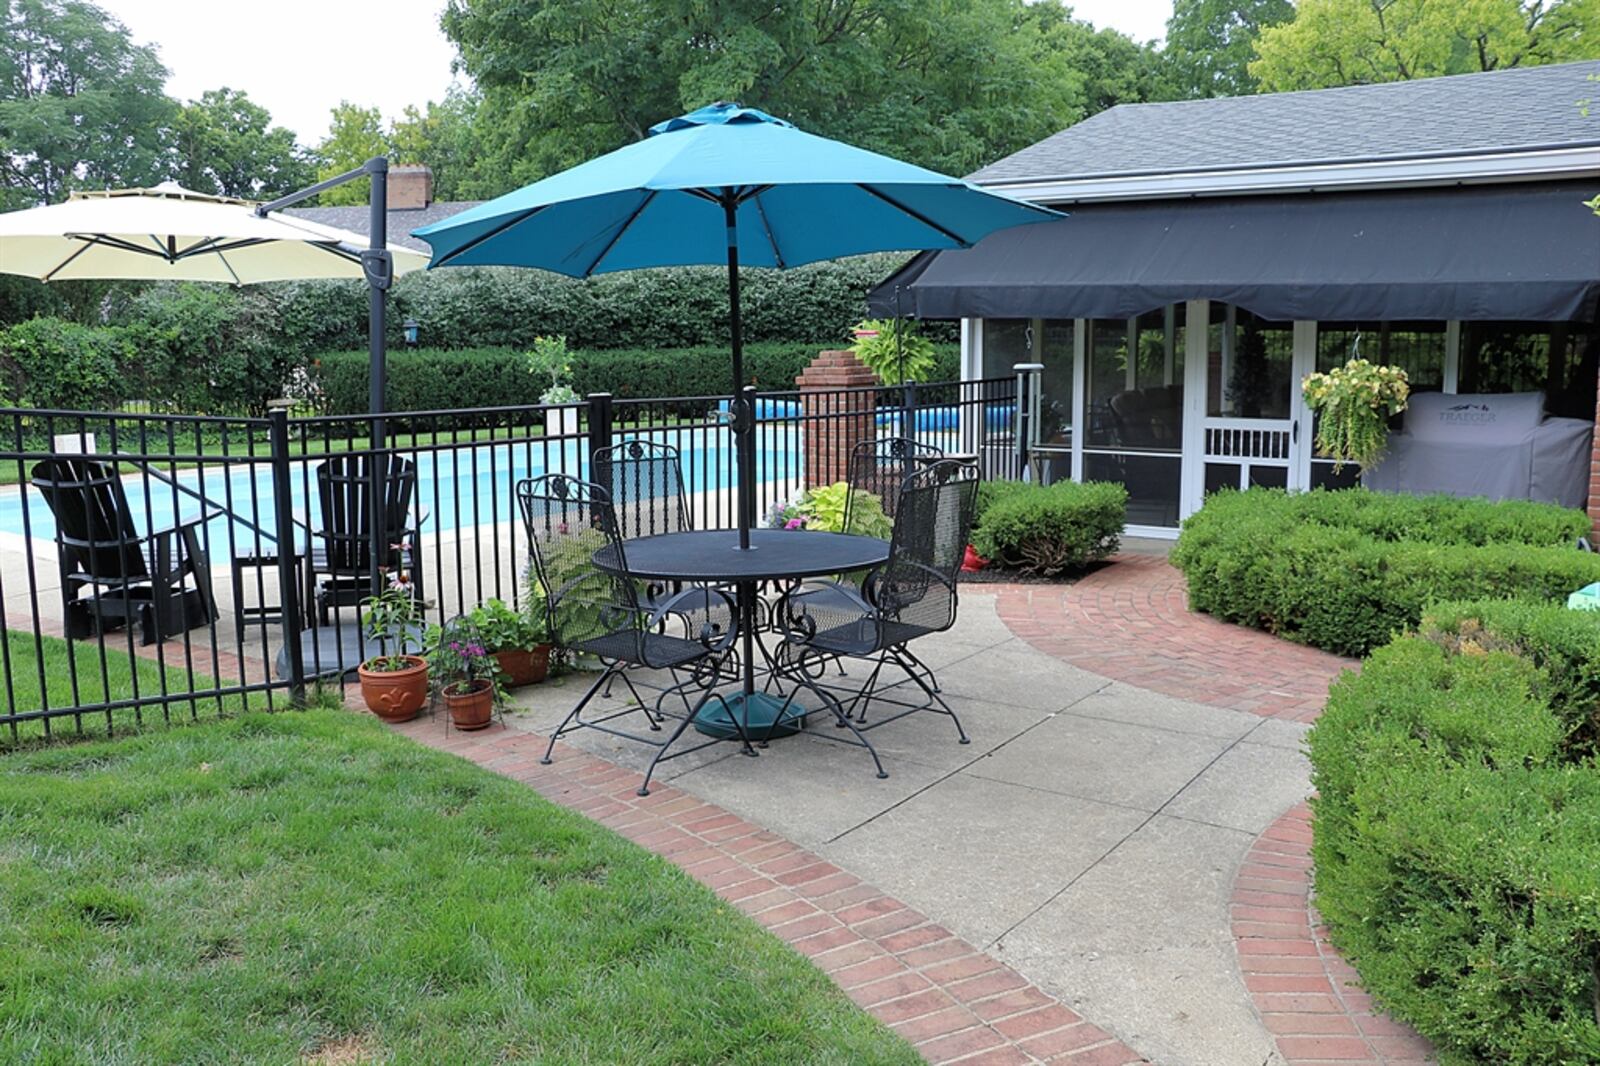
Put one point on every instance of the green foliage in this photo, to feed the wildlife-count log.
(394, 618)
(458, 655)
(1347, 570)
(895, 350)
(1046, 530)
(1457, 805)
(549, 360)
(823, 509)
(427, 379)
(1353, 404)
(1356, 42)
(225, 144)
(46, 362)
(949, 86)
(355, 135)
(81, 105)
(1210, 43)
(503, 628)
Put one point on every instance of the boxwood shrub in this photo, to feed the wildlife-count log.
(1457, 809)
(1048, 529)
(1347, 570)
(427, 379)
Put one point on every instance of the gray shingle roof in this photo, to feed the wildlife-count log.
(401, 220)
(1466, 113)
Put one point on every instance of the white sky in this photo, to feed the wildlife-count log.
(298, 58)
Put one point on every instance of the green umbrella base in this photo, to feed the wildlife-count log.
(757, 712)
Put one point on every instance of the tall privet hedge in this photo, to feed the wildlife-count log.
(1456, 825)
(1347, 570)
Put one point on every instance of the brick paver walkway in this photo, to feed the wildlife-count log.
(1130, 621)
(955, 1003)
(1307, 995)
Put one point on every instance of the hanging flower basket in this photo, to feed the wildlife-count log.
(1354, 403)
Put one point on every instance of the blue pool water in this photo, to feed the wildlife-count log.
(459, 489)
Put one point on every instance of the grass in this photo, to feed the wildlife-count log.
(307, 886)
(73, 677)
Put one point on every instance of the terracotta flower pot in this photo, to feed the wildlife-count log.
(524, 667)
(474, 708)
(395, 695)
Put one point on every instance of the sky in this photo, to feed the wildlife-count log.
(298, 58)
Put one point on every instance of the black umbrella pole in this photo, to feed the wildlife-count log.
(743, 403)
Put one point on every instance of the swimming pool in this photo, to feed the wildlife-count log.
(459, 487)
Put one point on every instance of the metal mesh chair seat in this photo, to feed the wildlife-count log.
(911, 595)
(598, 610)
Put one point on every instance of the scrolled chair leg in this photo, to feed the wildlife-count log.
(661, 753)
(908, 662)
(572, 715)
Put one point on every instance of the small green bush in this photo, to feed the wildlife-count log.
(1458, 802)
(49, 362)
(427, 379)
(1347, 570)
(1048, 529)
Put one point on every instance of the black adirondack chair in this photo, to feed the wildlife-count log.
(111, 575)
(339, 573)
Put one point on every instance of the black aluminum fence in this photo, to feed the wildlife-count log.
(160, 567)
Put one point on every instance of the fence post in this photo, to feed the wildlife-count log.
(1027, 421)
(288, 583)
(601, 416)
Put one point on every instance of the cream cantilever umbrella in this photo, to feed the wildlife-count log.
(169, 233)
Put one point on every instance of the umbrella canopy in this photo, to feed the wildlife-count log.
(661, 202)
(173, 234)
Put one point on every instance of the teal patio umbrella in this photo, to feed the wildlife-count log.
(724, 184)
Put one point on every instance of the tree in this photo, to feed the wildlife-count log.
(355, 137)
(80, 104)
(1354, 42)
(443, 137)
(1210, 44)
(223, 143)
(949, 84)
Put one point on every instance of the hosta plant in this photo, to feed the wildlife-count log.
(1354, 403)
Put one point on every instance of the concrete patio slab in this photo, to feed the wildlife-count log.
(1247, 788)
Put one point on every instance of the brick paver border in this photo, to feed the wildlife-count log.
(953, 1002)
(1130, 621)
(1308, 996)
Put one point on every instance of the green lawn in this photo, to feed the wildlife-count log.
(306, 884)
(94, 687)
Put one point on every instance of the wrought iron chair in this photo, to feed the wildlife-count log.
(645, 480)
(881, 466)
(595, 609)
(110, 574)
(909, 596)
(340, 567)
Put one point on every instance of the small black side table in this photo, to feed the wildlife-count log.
(265, 613)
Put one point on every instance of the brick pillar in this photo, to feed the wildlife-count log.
(834, 421)
(1594, 472)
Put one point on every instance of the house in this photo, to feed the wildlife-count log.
(1218, 251)
(410, 206)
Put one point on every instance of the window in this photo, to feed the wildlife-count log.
(1557, 358)
(1252, 364)
(1134, 409)
(1009, 341)
(1418, 348)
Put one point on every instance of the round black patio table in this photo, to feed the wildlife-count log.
(714, 557)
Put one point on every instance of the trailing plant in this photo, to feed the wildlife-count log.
(549, 360)
(1354, 404)
(394, 619)
(879, 343)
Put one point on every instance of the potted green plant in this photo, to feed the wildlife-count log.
(892, 348)
(1353, 404)
(394, 683)
(518, 640)
(465, 672)
(550, 361)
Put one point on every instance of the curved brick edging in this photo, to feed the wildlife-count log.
(1130, 621)
(954, 1003)
(1306, 994)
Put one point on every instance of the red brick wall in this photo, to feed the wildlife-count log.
(833, 422)
(1594, 472)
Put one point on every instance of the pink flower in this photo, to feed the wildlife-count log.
(795, 523)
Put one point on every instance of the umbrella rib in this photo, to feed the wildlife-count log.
(919, 216)
(491, 234)
(68, 261)
(617, 236)
(223, 259)
(766, 224)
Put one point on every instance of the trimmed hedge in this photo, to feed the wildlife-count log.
(1457, 810)
(1048, 529)
(1347, 570)
(425, 379)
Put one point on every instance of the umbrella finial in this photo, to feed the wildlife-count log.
(721, 113)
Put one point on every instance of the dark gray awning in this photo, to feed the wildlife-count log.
(1529, 251)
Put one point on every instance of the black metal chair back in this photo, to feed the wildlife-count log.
(93, 521)
(345, 492)
(567, 522)
(881, 466)
(646, 486)
(915, 591)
